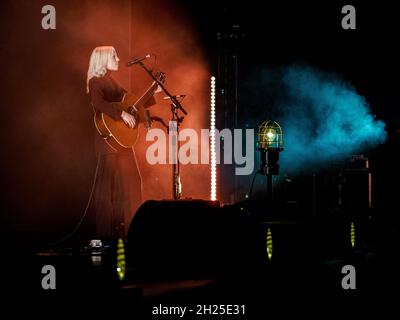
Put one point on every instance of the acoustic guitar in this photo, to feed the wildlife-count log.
(116, 133)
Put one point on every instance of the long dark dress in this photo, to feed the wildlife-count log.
(117, 192)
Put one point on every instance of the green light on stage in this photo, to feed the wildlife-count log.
(270, 135)
(121, 264)
(269, 243)
(352, 234)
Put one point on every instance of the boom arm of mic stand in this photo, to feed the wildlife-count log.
(173, 98)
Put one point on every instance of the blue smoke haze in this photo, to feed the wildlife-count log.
(323, 120)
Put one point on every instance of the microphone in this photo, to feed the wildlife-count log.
(177, 97)
(137, 60)
(147, 120)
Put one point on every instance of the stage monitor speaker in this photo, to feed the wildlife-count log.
(189, 239)
(346, 189)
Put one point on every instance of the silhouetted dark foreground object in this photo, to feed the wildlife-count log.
(191, 239)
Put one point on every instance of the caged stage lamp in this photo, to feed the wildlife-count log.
(269, 143)
(270, 136)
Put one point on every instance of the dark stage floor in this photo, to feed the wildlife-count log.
(302, 277)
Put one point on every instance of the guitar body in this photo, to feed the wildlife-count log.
(116, 133)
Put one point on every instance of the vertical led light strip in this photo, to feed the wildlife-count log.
(213, 190)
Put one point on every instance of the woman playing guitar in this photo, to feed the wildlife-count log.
(117, 191)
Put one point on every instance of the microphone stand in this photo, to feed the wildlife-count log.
(174, 124)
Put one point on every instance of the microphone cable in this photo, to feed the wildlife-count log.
(252, 183)
(86, 209)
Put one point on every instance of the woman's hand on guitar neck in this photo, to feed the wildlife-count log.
(129, 119)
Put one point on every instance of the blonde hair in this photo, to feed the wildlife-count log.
(98, 63)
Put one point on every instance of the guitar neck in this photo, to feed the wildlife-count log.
(146, 96)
